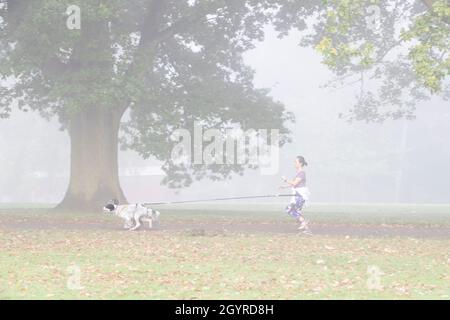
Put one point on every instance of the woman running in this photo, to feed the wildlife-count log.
(300, 194)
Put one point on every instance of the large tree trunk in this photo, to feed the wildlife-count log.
(94, 176)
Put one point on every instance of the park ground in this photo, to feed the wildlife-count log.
(228, 251)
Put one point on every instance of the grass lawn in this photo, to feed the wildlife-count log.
(145, 265)
(44, 264)
(411, 214)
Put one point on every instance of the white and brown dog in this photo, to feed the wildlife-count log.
(133, 214)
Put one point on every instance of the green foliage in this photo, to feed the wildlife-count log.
(170, 63)
(430, 54)
(406, 55)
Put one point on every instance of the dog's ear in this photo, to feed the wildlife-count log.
(115, 202)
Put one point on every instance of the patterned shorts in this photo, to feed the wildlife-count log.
(294, 209)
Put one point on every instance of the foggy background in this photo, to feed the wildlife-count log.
(397, 161)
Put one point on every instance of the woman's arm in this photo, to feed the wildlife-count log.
(292, 183)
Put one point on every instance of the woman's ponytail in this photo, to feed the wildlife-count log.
(302, 160)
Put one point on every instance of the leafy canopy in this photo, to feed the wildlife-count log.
(400, 47)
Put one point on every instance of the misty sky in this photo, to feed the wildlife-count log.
(396, 161)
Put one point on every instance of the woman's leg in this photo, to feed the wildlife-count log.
(291, 209)
(303, 223)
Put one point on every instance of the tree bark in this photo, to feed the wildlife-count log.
(94, 170)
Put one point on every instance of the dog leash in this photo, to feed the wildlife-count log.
(218, 199)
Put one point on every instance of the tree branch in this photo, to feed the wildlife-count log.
(428, 4)
(150, 34)
(150, 24)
